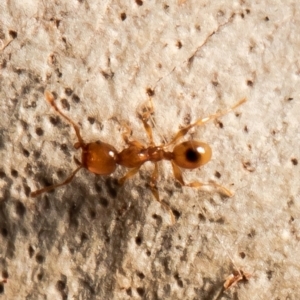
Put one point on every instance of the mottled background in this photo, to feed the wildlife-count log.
(95, 240)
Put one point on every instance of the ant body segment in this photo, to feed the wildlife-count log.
(102, 159)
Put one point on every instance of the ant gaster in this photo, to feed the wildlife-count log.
(102, 158)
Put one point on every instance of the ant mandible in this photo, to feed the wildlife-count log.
(102, 159)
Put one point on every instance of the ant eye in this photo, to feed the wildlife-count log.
(191, 154)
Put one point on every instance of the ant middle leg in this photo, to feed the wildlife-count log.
(178, 176)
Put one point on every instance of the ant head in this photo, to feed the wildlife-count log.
(191, 154)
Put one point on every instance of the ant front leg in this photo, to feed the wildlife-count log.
(178, 176)
(154, 190)
(181, 133)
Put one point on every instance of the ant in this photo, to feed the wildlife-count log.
(102, 159)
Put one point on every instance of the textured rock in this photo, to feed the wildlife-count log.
(95, 240)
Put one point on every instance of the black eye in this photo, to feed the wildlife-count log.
(191, 154)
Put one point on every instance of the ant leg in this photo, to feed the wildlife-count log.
(223, 190)
(153, 182)
(178, 176)
(144, 117)
(50, 99)
(182, 132)
(54, 186)
(148, 130)
(154, 190)
(129, 174)
(78, 163)
(126, 134)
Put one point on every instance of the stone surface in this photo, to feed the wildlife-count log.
(95, 240)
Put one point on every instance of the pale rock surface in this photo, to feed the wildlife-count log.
(95, 240)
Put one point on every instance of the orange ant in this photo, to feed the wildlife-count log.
(102, 158)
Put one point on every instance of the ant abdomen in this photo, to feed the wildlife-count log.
(191, 154)
(99, 158)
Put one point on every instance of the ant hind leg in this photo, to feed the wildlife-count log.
(54, 186)
(50, 99)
